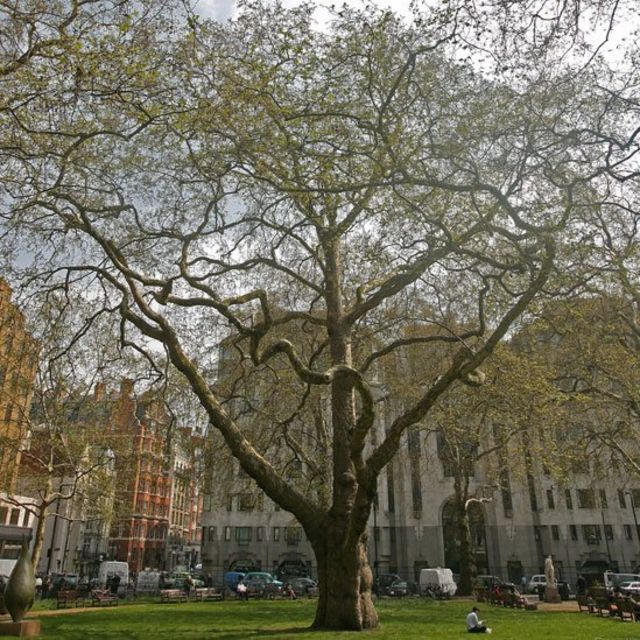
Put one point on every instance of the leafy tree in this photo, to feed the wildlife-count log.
(296, 199)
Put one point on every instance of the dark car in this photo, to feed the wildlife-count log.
(487, 581)
(64, 581)
(304, 586)
(261, 584)
(398, 589)
(382, 583)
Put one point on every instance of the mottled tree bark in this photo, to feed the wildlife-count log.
(345, 581)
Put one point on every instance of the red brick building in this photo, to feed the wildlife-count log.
(140, 525)
(18, 363)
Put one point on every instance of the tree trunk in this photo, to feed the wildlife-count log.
(38, 541)
(345, 580)
(467, 560)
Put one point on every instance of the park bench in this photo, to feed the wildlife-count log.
(481, 594)
(585, 602)
(626, 608)
(173, 595)
(69, 598)
(103, 598)
(208, 593)
(602, 604)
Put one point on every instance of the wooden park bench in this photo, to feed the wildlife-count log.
(208, 593)
(585, 602)
(173, 595)
(69, 598)
(626, 608)
(103, 598)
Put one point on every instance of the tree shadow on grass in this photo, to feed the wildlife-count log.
(264, 633)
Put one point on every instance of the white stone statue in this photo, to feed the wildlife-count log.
(549, 572)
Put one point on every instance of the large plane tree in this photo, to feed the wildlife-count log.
(286, 203)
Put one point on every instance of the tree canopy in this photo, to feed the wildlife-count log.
(296, 199)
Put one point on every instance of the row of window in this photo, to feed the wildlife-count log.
(245, 535)
(591, 533)
(585, 498)
(13, 517)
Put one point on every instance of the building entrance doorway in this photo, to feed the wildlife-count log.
(451, 537)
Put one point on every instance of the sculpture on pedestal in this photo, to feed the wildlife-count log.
(21, 587)
(549, 572)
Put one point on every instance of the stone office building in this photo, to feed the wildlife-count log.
(587, 525)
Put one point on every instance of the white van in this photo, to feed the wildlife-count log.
(148, 581)
(109, 568)
(440, 579)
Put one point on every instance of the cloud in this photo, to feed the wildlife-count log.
(220, 10)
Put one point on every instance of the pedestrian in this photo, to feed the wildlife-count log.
(188, 583)
(474, 624)
(115, 583)
(241, 590)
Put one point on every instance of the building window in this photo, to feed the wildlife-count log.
(212, 534)
(4, 511)
(568, 499)
(555, 532)
(391, 499)
(608, 532)
(15, 516)
(536, 534)
(586, 499)
(293, 535)
(276, 534)
(260, 534)
(627, 532)
(243, 535)
(573, 532)
(591, 533)
(604, 503)
(551, 503)
(246, 502)
(25, 518)
(227, 533)
(622, 500)
(229, 502)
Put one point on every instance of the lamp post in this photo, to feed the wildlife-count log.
(635, 517)
(375, 535)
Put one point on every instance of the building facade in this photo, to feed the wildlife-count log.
(18, 363)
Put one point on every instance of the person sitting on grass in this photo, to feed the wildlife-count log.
(474, 624)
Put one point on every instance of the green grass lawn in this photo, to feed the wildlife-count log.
(406, 619)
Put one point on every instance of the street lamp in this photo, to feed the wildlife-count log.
(375, 535)
(635, 517)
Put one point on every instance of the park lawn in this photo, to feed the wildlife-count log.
(406, 619)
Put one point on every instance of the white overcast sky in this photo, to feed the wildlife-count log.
(224, 9)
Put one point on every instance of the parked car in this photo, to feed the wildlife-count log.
(304, 586)
(382, 583)
(62, 581)
(231, 579)
(399, 589)
(615, 580)
(538, 581)
(630, 588)
(487, 581)
(261, 584)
